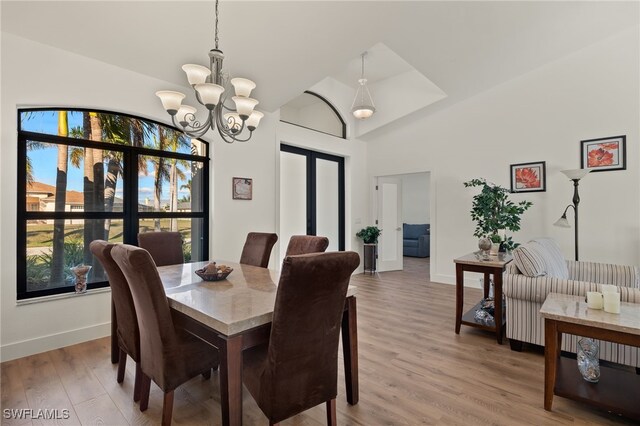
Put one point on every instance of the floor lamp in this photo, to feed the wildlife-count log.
(575, 175)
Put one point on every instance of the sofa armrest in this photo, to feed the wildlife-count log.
(604, 273)
(423, 240)
(518, 286)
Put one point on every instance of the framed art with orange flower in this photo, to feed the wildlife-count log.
(529, 177)
(601, 155)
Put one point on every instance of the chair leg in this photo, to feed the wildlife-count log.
(516, 345)
(167, 408)
(145, 388)
(137, 383)
(207, 374)
(638, 370)
(331, 412)
(122, 363)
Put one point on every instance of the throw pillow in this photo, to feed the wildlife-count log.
(530, 260)
(555, 262)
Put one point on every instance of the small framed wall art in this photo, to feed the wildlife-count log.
(529, 177)
(242, 188)
(600, 155)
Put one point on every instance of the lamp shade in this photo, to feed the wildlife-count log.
(185, 110)
(170, 100)
(562, 222)
(196, 74)
(254, 120)
(576, 174)
(243, 86)
(363, 112)
(244, 106)
(209, 94)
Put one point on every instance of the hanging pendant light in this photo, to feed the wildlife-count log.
(363, 107)
(209, 86)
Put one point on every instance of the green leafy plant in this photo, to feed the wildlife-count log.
(369, 234)
(492, 210)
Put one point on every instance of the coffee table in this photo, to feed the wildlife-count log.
(618, 390)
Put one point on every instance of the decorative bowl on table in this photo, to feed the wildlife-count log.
(214, 272)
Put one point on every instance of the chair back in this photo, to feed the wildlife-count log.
(301, 370)
(164, 247)
(304, 244)
(158, 340)
(128, 333)
(257, 249)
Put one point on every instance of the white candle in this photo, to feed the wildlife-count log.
(594, 300)
(605, 288)
(611, 302)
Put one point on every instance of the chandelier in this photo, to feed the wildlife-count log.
(362, 106)
(209, 87)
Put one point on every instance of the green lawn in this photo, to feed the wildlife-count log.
(41, 235)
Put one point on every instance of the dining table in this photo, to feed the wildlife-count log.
(235, 314)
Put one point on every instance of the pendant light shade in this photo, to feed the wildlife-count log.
(363, 106)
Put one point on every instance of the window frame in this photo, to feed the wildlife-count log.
(335, 111)
(129, 215)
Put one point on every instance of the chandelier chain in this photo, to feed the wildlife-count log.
(216, 40)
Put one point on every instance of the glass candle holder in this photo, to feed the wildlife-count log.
(81, 272)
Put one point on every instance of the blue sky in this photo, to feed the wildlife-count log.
(44, 161)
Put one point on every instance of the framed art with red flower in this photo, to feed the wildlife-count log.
(601, 155)
(529, 177)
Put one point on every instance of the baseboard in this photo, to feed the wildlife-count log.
(53, 341)
(451, 280)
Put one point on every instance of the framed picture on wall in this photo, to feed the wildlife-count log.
(529, 177)
(242, 188)
(601, 155)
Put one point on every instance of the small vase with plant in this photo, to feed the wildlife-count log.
(494, 213)
(369, 234)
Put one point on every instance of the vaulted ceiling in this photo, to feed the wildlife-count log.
(287, 47)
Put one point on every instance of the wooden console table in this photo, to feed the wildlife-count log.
(493, 266)
(617, 391)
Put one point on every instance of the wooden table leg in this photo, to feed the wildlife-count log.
(231, 380)
(459, 295)
(350, 350)
(497, 302)
(487, 284)
(115, 350)
(552, 345)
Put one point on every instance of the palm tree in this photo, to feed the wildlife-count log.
(175, 140)
(57, 264)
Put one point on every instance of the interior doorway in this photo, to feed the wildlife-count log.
(404, 215)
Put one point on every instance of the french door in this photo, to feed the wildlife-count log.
(312, 196)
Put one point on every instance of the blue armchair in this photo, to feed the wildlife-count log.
(415, 240)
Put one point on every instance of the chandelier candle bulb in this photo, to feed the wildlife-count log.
(196, 74)
(594, 300)
(170, 100)
(612, 302)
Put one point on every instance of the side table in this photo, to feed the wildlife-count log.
(493, 266)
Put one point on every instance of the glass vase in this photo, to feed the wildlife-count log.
(588, 362)
(81, 272)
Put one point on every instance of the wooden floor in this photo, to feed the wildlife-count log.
(413, 370)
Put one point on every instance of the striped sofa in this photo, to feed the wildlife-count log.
(526, 294)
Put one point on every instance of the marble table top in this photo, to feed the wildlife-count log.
(573, 309)
(475, 258)
(244, 300)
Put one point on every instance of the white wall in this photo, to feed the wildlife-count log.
(68, 79)
(542, 115)
(415, 198)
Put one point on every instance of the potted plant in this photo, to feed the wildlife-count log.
(369, 234)
(493, 212)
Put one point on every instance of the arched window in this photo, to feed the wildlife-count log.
(85, 175)
(314, 112)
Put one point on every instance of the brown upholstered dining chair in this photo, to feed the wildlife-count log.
(257, 249)
(168, 355)
(164, 247)
(304, 244)
(127, 333)
(298, 369)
